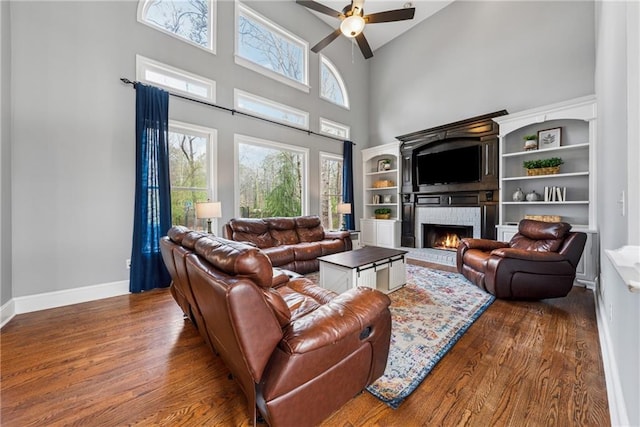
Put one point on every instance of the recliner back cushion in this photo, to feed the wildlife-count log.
(283, 230)
(255, 231)
(540, 236)
(309, 229)
(236, 259)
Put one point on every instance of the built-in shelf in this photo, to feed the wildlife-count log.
(547, 150)
(626, 261)
(382, 172)
(556, 175)
(568, 202)
(381, 188)
(380, 204)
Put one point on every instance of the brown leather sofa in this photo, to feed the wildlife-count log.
(538, 262)
(290, 243)
(298, 351)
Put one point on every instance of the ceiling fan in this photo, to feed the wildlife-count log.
(353, 22)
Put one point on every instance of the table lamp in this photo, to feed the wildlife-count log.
(344, 209)
(207, 210)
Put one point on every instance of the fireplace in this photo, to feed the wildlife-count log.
(444, 236)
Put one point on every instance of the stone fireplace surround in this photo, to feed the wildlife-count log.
(469, 216)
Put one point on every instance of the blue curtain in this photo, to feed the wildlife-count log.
(152, 216)
(347, 183)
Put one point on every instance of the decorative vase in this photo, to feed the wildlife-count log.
(518, 196)
(533, 196)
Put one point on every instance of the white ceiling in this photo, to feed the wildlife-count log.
(379, 34)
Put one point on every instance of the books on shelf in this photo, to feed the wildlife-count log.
(555, 194)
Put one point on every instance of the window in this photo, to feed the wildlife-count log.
(270, 50)
(330, 190)
(271, 110)
(334, 128)
(174, 79)
(188, 20)
(332, 86)
(191, 168)
(270, 178)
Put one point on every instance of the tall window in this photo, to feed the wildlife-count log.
(270, 178)
(330, 190)
(191, 166)
(332, 87)
(271, 50)
(189, 20)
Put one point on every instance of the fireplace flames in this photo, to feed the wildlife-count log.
(448, 242)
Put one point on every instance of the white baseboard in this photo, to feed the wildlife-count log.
(617, 406)
(7, 311)
(27, 304)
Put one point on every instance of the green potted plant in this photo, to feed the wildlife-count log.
(543, 166)
(382, 213)
(530, 142)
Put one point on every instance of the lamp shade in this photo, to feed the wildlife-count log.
(344, 208)
(208, 210)
(352, 25)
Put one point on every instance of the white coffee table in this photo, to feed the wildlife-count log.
(371, 266)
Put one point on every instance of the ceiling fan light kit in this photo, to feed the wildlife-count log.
(354, 21)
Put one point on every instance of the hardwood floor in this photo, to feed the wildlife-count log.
(133, 360)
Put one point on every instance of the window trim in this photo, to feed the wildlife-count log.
(246, 139)
(143, 64)
(237, 93)
(242, 9)
(343, 87)
(212, 153)
(143, 5)
(335, 124)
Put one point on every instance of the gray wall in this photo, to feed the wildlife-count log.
(5, 154)
(476, 57)
(622, 308)
(74, 127)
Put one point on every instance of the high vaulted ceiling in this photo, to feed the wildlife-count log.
(380, 34)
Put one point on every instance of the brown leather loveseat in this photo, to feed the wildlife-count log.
(538, 262)
(290, 243)
(298, 351)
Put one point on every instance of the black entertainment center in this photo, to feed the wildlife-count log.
(449, 166)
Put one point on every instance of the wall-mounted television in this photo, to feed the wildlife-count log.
(454, 166)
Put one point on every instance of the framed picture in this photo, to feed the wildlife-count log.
(549, 138)
(384, 165)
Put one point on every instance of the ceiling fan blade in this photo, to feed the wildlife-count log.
(390, 16)
(318, 7)
(325, 41)
(364, 46)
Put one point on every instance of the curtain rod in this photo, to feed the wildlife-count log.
(234, 112)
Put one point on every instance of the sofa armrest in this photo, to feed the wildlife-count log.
(336, 234)
(525, 255)
(483, 244)
(354, 312)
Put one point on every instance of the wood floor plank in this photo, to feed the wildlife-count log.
(134, 360)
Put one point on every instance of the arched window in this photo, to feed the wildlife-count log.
(332, 86)
(188, 20)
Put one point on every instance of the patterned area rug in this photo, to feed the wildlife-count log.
(429, 314)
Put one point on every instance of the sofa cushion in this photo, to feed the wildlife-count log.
(236, 259)
(307, 251)
(283, 230)
(253, 230)
(331, 246)
(299, 304)
(309, 229)
(280, 255)
(540, 236)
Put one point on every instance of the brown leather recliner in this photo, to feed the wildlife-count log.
(298, 351)
(539, 262)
